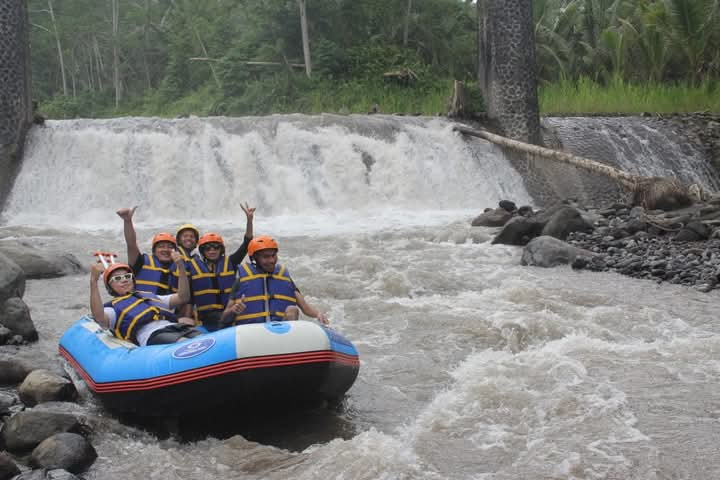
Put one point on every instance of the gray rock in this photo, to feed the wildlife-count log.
(37, 263)
(25, 430)
(13, 370)
(493, 218)
(8, 467)
(69, 451)
(44, 386)
(15, 315)
(546, 251)
(43, 474)
(12, 279)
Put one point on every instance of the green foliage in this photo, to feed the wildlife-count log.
(178, 57)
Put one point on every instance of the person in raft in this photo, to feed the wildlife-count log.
(154, 272)
(264, 290)
(212, 274)
(140, 317)
(186, 239)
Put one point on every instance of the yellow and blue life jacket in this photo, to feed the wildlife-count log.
(156, 278)
(211, 290)
(136, 309)
(266, 295)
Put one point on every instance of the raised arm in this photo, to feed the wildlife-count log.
(183, 294)
(249, 215)
(309, 310)
(133, 250)
(96, 304)
(237, 256)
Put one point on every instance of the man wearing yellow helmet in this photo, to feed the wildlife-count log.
(187, 237)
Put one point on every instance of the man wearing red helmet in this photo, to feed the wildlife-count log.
(154, 272)
(264, 290)
(140, 317)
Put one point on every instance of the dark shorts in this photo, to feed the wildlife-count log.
(172, 333)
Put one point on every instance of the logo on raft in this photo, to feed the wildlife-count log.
(194, 348)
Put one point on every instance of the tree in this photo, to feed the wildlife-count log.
(305, 37)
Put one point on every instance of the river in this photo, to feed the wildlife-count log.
(472, 367)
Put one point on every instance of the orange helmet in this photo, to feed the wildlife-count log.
(263, 242)
(210, 237)
(109, 271)
(163, 237)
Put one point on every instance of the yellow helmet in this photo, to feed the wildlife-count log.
(187, 226)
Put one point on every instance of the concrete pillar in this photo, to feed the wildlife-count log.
(507, 67)
(15, 98)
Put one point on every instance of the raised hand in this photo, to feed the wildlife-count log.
(127, 213)
(249, 211)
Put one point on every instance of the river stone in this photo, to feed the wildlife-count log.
(519, 231)
(565, 221)
(492, 218)
(546, 251)
(13, 370)
(44, 386)
(69, 451)
(25, 430)
(8, 467)
(43, 474)
(37, 263)
(12, 279)
(15, 315)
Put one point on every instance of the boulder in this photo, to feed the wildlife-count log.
(44, 386)
(15, 315)
(37, 263)
(492, 218)
(25, 430)
(564, 221)
(44, 474)
(69, 451)
(12, 279)
(546, 251)
(8, 467)
(519, 231)
(13, 370)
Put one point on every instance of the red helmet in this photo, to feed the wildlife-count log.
(163, 237)
(263, 242)
(208, 238)
(109, 271)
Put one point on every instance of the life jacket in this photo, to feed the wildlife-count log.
(187, 254)
(136, 309)
(154, 277)
(211, 290)
(266, 295)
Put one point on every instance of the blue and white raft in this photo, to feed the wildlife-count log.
(246, 364)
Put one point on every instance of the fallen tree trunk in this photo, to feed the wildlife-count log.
(650, 192)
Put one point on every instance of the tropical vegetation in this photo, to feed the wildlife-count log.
(246, 57)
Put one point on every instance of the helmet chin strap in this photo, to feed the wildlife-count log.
(106, 258)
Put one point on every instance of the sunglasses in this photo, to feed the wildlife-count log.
(121, 276)
(213, 246)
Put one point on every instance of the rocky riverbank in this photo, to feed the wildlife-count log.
(680, 246)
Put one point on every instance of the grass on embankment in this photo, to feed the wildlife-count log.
(427, 97)
(588, 98)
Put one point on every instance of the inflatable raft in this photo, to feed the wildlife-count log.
(247, 364)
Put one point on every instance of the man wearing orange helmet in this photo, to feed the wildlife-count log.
(154, 272)
(140, 317)
(264, 290)
(212, 273)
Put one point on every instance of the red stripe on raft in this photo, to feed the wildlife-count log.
(213, 370)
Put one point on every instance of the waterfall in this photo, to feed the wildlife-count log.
(82, 170)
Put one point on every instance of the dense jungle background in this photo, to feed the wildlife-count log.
(171, 58)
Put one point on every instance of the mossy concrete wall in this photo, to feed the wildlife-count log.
(15, 97)
(507, 67)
